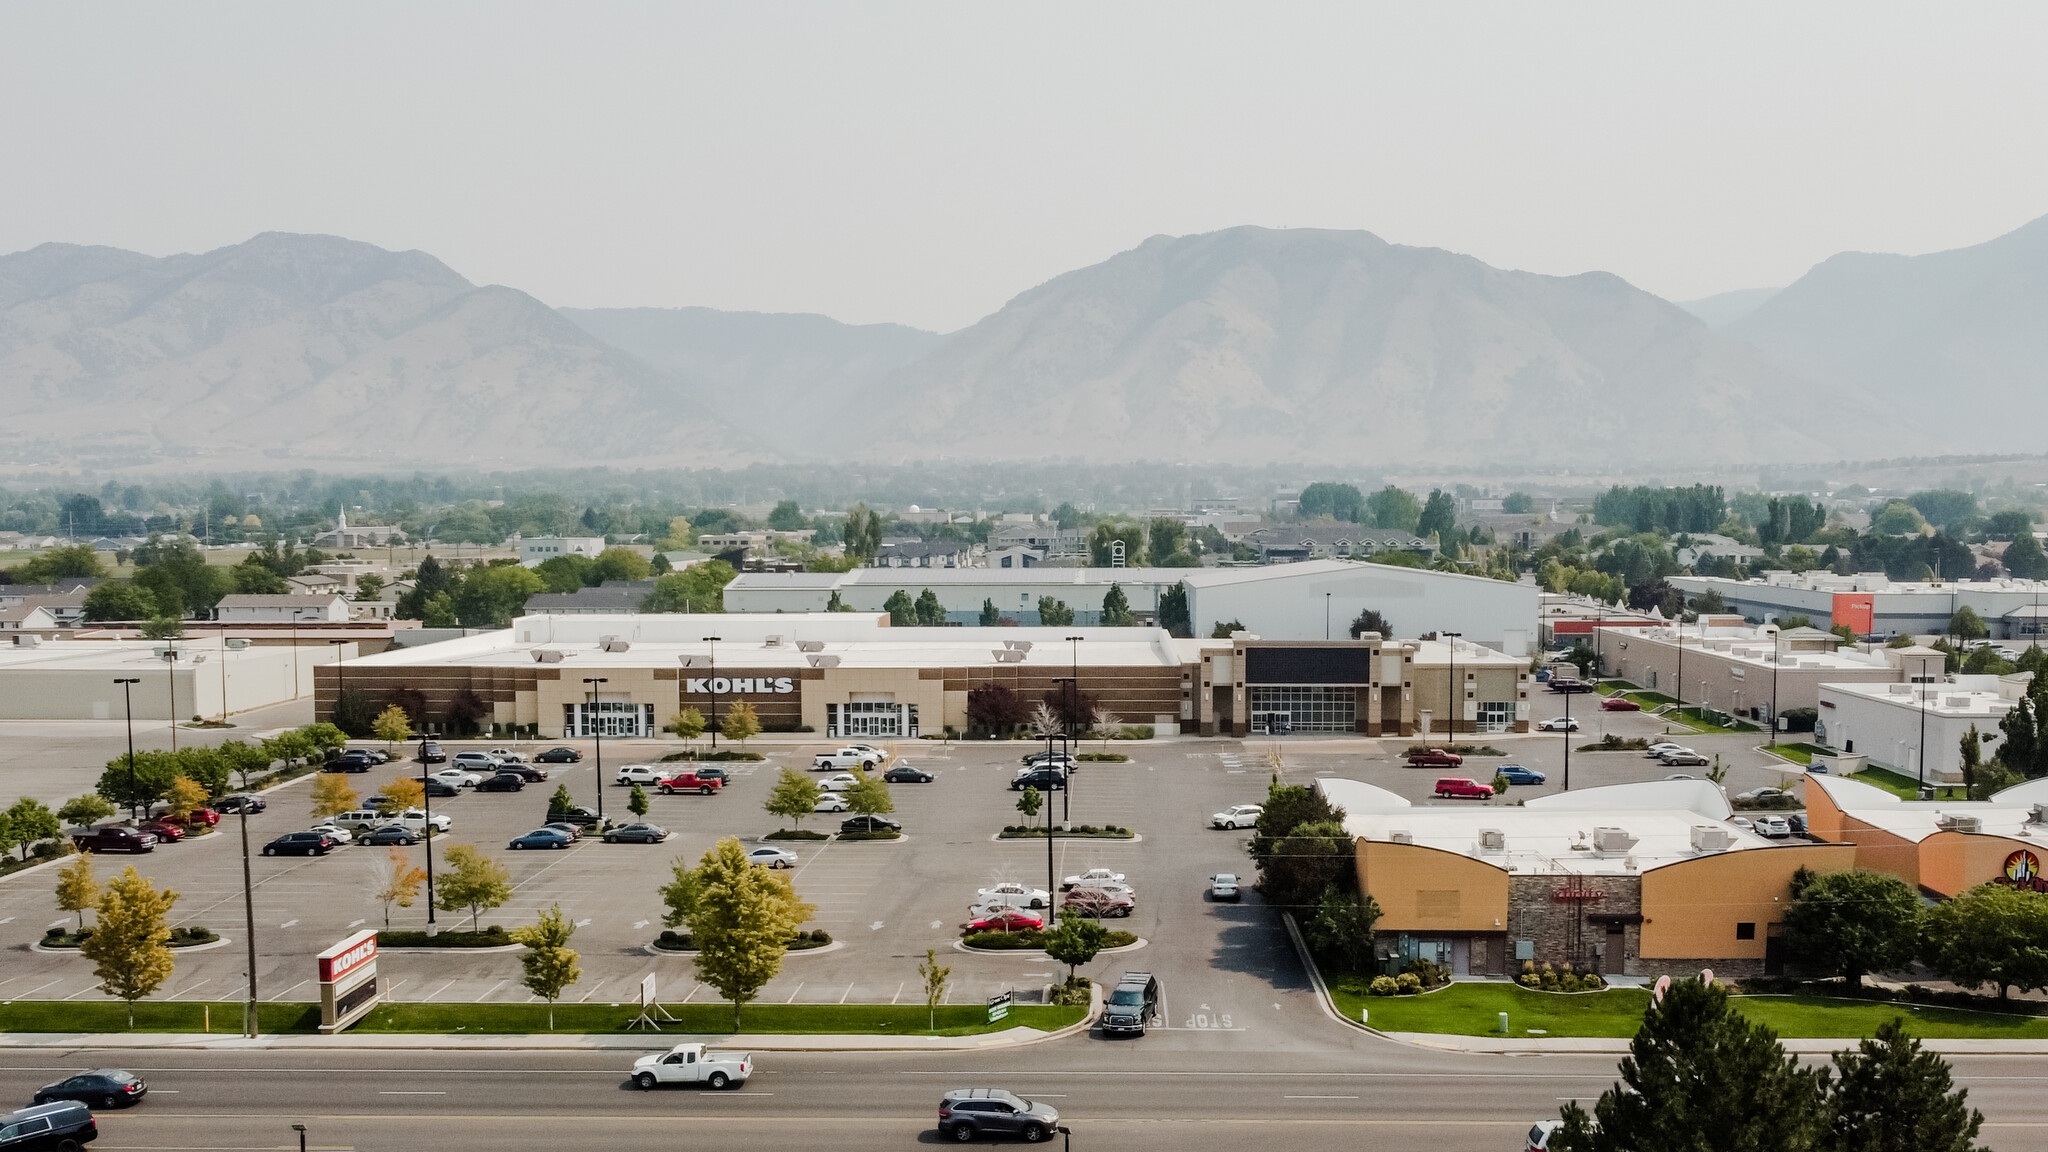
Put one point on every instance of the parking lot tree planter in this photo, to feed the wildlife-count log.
(1104, 757)
(187, 937)
(1613, 743)
(1078, 832)
(492, 937)
(1032, 940)
(877, 835)
(671, 940)
(721, 754)
(797, 834)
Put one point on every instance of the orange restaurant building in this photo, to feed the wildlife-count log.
(1640, 879)
(1942, 847)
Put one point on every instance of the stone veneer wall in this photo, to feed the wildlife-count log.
(1535, 914)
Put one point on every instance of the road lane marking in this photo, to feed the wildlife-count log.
(1315, 1097)
(353, 923)
(411, 1092)
(287, 923)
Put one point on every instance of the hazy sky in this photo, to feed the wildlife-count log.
(924, 163)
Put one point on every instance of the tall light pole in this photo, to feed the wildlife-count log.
(1066, 793)
(712, 684)
(249, 1022)
(1776, 659)
(1326, 615)
(127, 683)
(1457, 690)
(171, 682)
(1568, 740)
(427, 798)
(597, 727)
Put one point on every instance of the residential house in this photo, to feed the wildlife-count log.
(26, 618)
(250, 609)
(914, 553)
(538, 550)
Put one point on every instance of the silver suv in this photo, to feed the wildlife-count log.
(966, 1113)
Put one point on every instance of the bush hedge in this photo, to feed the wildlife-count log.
(1105, 832)
(1104, 757)
(493, 937)
(701, 755)
(185, 937)
(797, 834)
(1031, 939)
(879, 834)
(671, 940)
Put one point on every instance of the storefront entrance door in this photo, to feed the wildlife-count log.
(1615, 955)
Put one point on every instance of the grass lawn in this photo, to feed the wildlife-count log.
(1797, 753)
(848, 1019)
(1901, 785)
(1691, 717)
(1610, 687)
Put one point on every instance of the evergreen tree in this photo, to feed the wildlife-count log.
(1053, 613)
(1116, 609)
(989, 616)
(930, 613)
(902, 611)
(1891, 1096)
(1439, 515)
(1174, 615)
(637, 803)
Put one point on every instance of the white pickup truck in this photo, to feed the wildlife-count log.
(693, 1064)
(853, 756)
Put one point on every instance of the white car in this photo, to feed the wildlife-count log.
(839, 782)
(1743, 822)
(506, 756)
(416, 819)
(1775, 827)
(851, 756)
(1761, 794)
(1091, 878)
(1237, 816)
(458, 777)
(639, 774)
(830, 802)
(772, 857)
(1223, 886)
(1559, 724)
(1010, 895)
(1661, 747)
(335, 830)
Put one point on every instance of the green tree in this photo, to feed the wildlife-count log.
(1964, 624)
(636, 802)
(492, 595)
(794, 797)
(162, 628)
(1439, 515)
(1054, 613)
(989, 616)
(77, 888)
(1394, 508)
(687, 724)
(72, 561)
(28, 823)
(741, 918)
(549, 961)
(868, 795)
(1518, 503)
(1304, 863)
(1029, 802)
(1989, 935)
(244, 759)
(1342, 502)
(1116, 609)
(1699, 1076)
(930, 613)
(934, 975)
(369, 587)
(355, 712)
(1891, 1096)
(621, 564)
(740, 724)
(85, 811)
(1852, 922)
(1224, 629)
(471, 880)
(137, 782)
(1370, 620)
(1340, 933)
(901, 609)
(392, 725)
(2025, 559)
(1173, 611)
(324, 735)
(863, 532)
(568, 573)
(563, 800)
(119, 600)
(252, 577)
(1165, 540)
(1107, 534)
(1074, 941)
(177, 574)
(698, 588)
(130, 947)
(787, 517)
(1897, 518)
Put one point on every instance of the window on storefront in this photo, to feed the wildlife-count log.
(609, 718)
(871, 719)
(1304, 708)
(1496, 715)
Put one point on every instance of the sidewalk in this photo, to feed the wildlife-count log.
(1618, 1045)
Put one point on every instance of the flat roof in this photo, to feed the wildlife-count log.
(940, 577)
(2006, 813)
(1757, 651)
(131, 657)
(1936, 699)
(1219, 577)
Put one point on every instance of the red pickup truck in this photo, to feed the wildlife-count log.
(114, 838)
(690, 782)
(1455, 786)
(1434, 758)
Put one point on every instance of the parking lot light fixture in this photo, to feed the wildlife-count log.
(127, 684)
(597, 728)
(1568, 735)
(428, 833)
(1457, 700)
(249, 1024)
(712, 684)
(301, 1130)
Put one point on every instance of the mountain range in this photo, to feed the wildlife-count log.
(1240, 346)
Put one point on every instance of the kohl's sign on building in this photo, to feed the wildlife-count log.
(738, 685)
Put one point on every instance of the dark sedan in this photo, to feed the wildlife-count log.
(541, 838)
(301, 844)
(392, 834)
(503, 782)
(870, 824)
(440, 788)
(240, 802)
(559, 756)
(905, 774)
(526, 772)
(100, 1088)
(637, 834)
(431, 753)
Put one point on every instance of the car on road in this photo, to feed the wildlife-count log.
(1762, 794)
(851, 756)
(580, 816)
(1237, 816)
(64, 1125)
(636, 834)
(1223, 886)
(772, 857)
(1540, 1133)
(1434, 758)
(870, 824)
(1775, 827)
(696, 782)
(341, 835)
(1091, 878)
(1004, 920)
(905, 774)
(114, 838)
(559, 756)
(503, 782)
(639, 774)
(392, 834)
(1099, 903)
(301, 844)
(1559, 724)
(830, 802)
(165, 831)
(541, 838)
(104, 1087)
(1619, 704)
(240, 802)
(431, 753)
(693, 1064)
(1520, 774)
(1132, 1004)
(1043, 779)
(838, 781)
(1457, 787)
(969, 1113)
(1682, 758)
(1010, 894)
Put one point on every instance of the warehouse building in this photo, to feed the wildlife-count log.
(1635, 879)
(1917, 729)
(1942, 847)
(1746, 671)
(1015, 592)
(80, 679)
(1872, 604)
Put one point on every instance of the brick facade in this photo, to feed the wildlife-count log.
(1575, 932)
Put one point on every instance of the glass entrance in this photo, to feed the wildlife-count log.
(871, 719)
(1304, 708)
(611, 718)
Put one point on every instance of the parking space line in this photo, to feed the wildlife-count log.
(435, 992)
(899, 993)
(488, 991)
(694, 989)
(792, 995)
(40, 987)
(593, 990)
(80, 992)
(288, 991)
(848, 992)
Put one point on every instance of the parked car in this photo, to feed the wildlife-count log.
(1619, 704)
(1055, 759)
(1660, 747)
(1223, 886)
(165, 831)
(838, 782)
(1011, 895)
(1743, 822)
(378, 755)
(195, 818)
(392, 834)
(505, 756)
(852, 756)
(1099, 903)
(1006, 920)
(1434, 758)
(114, 838)
(870, 824)
(1682, 758)
(636, 834)
(969, 1113)
(301, 844)
(350, 761)
(691, 782)
(503, 782)
(341, 835)
(559, 756)
(1559, 724)
(1520, 774)
(241, 802)
(440, 789)
(1775, 827)
(1043, 779)
(1681, 776)
(65, 1124)
(905, 774)
(1539, 1135)
(541, 838)
(693, 1064)
(1567, 686)
(1459, 787)
(1761, 794)
(580, 816)
(1237, 816)
(713, 772)
(477, 762)
(772, 857)
(459, 776)
(572, 831)
(1131, 1005)
(363, 820)
(1092, 877)
(830, 802)
(417, 820)
(1797, 822)
(639, 774)
(526, 772)
(431, 753)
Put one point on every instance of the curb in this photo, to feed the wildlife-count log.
(210, 945)
(1315, 977)
(686, 953)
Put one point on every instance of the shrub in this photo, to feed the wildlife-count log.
(1529, 980)
(1382, 986)
(1135, 732)
(1407, 984)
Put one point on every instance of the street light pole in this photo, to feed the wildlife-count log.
(250, 1025)
(171, 682)
(1568, 740)
(1457, 690)
(1326, 615)
(427, 798)
(1074, 686)
(597, 728)
(128, 701)
(712, 684)
(1776, 659)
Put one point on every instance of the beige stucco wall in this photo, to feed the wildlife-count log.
(254, 677)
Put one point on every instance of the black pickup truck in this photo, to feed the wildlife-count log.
(114, 838)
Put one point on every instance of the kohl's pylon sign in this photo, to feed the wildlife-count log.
(720, 686)
(348, 981)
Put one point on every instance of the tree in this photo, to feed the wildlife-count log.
(28, 823)
(1306, 862)
(466, 711)
(794, 797)
(739, 723)
(1166, 542)
(863, 532)
(130, 947)
(162, 628)
(1518, 503)
(119, 600)
(2025, 559)
(400, 883)
(549, 961)
(473, 881)
(1991, 934)
(72, 561)
(1891, 1096)
(252, 577)
(1108, 534)
(1116, 609)
(85, 811)
(392, 725)
(184, 796)
(901, 609)
(1107, 726)
(1340, 933)
(868, 795)
(637, 803)
(1852, 922)
(1439, 516)
(1338, 501)
(404, 792)
(369, 587)
(137, 782)
(996, 707)
(323, 736)
(1074, 941)
(1224, 629)
(1045, 722)
(1394, 508)
(741, 918)
(989, 616)
(1369, 620)
(787, 517)
(1173, 611)
(687, 724)
(332, 795)
(934, 975)
(439, 612)
(620, 564)
(930, 613)
(243, 759)
(1700, 1076)
(563, 800)
(355, 712)
(1029, 802)
(491, 595)
(1054, 613)
(77, 888)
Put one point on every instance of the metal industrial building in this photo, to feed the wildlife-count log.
(1871, 604)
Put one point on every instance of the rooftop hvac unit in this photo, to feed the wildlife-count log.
(1492, 840)
(1708, 838)
(1955, 702)
(547, 656)
(237, 644)
(1612, 840)
(1401, 836)
(1956, 823)
(2039, 815)
(611, 645)
(27, 640)
(810, 645)
(772, 642)
(1018, 645)
(1008, 656)
(823, 661)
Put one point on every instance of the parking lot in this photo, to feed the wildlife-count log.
(1225, 968)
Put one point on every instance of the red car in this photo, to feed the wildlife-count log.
(690, 782)
(206, 816)
(1455, 786)
(1620, 704)
(162, 829)
(1010, 920)
(1434, 758)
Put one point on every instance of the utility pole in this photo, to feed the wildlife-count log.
(428, 835)
(598, 728)
(128, 701)
(1457, 690)
(712, 684)
(251, 1026)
